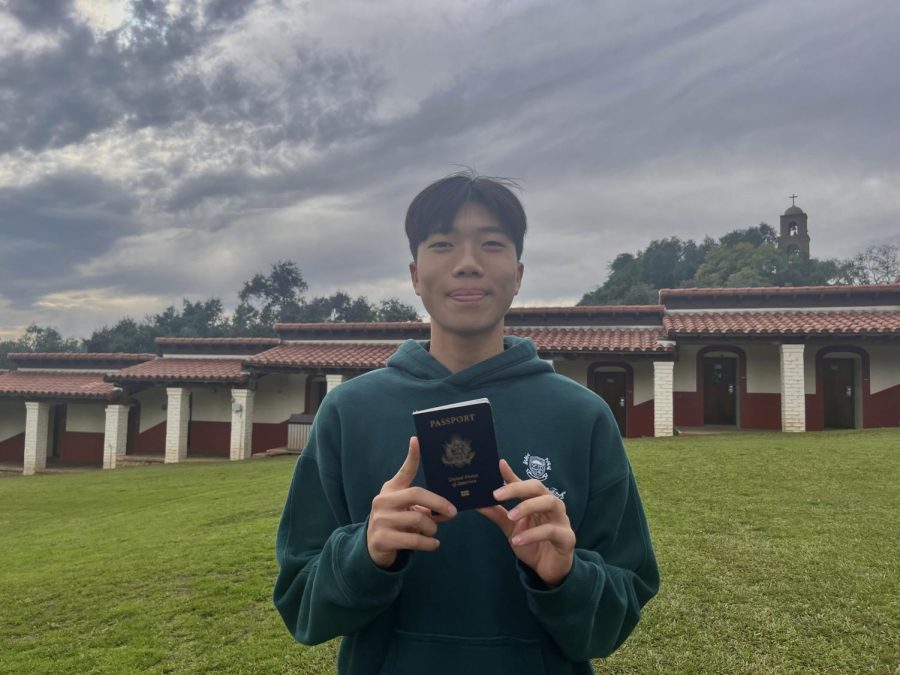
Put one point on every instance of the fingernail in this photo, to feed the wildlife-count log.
(452, 510)
(517, 540)
(513, 514)
(499, 493)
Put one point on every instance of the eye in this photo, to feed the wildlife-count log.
(494, 244)
(440, 245)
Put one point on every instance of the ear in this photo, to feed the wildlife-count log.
(520, 270)
(414, 276)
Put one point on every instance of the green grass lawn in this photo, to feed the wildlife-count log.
(778, 553)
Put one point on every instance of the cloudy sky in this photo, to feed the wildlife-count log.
(154, 150)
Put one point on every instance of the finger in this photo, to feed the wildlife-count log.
(438, 518)
(408, 521)
(407, 472)
(404, 499)
(546, 504)
(521, 490)
(561, 537)
(498, 516)
(392, 541)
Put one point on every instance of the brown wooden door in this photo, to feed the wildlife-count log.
(840, 394)
(611, 388)
(134, 427)
(57, 429)
(719, 391)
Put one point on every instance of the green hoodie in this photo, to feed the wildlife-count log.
(470, 606)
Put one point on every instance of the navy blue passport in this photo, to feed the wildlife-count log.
(459, 452)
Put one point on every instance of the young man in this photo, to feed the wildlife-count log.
(555, 576)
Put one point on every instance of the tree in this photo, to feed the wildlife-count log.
(269, 299)
(755, 236)
(37, 339)
(279, 298)
(746, 265)
(875, 265)
(339, 307)
(635, 279)
(47, 339)
(204, 318)
(391, 309)
(740, 258)
(126, 335)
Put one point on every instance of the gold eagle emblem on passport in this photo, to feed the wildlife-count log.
(458, 452)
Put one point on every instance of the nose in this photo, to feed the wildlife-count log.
(467, 264)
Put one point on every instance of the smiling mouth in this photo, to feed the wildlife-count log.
(467, 295)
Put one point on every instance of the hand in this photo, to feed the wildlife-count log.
(401, 517)
(538, 528)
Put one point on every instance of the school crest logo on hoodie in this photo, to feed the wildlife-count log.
(537, 467)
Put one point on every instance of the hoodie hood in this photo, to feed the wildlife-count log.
(519, 358)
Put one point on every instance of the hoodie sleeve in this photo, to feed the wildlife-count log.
(614, 573)
(327, 584)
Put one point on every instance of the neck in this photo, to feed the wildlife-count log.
(458, 352)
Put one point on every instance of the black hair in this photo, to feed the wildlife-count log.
(434, 209)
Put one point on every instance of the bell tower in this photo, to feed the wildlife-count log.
(794, 237)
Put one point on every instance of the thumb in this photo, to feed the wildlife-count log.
(407, 472)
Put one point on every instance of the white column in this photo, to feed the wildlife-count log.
(331, 381)
(177, 412)
(115, 434)
(793, 389)
(663, 411)
(241, 423)
(37, 421)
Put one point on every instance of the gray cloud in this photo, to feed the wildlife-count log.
(210, 141)
(45, 15)
(55, 223)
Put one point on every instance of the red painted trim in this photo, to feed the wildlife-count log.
(210, 438)
(629, 388)
(883, 408)
(815, 412)
(13, 449)
(640, 421)
(688, 409)
(81, 447)
(151, 441)
(267, 435)
(763, 411)
(742, 403)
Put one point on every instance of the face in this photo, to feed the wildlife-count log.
(468, 277)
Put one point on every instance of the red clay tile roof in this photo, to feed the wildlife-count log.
(783, 323)
(81, 358)
(400, 330)
(183, 370)
(594, 339)
(368, 355)
(326, 355)
(222, 341)
(587, 310)
(667, 293)
(56, 384)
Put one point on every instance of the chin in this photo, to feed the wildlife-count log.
(469, 328)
